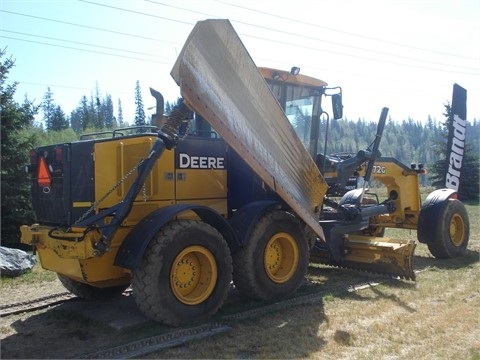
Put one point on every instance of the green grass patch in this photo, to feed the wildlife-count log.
(35, 275)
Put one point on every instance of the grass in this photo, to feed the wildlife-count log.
(435, 317)
(36, 274)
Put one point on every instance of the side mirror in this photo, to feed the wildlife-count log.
(337, 106)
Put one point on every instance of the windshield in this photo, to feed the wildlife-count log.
(299, 113)
(301, 105)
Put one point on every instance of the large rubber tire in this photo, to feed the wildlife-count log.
(185, 273)
(448, 235)
(274, 261)
(89, 292)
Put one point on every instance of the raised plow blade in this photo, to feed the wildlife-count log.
(379, 255)
(219, 80)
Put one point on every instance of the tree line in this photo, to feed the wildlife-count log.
(95, 113)
(408, 141)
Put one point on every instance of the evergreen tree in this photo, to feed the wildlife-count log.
(98, 109)
(76, 120)
(15, 185)
(92, 108)
(59, 120)
(109, 118)
(48, 107)
(87, 114)
(53, 114)
(120, 113)
(168, 106)
(139, 110)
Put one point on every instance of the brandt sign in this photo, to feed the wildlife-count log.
(456, 137)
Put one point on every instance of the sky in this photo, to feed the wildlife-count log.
(405, 55)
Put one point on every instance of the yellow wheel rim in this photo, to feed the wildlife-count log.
(193, 275)
(457, 230)
(281, 257)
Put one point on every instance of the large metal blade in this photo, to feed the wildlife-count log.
(219, 80)
(373, 254)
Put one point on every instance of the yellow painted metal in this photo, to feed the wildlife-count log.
(76, 257)
(384, 255)
(97, 271)
(287, 77)
(375, 254)
(200, 184)
(115, 159)
(220, 81)
(193, 275)
(81, 204)
(165, 186)
(281, 257)
(457, 230)
(75, 246)
(31, 234)
(404, 183)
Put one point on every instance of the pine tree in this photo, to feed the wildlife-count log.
(168, 106)
(53, 115)
(59, 120)
(48, 107)
(139, 110)
(88, 114)
(15, 185)
(98, 109)
(76, 120)
(108, 116)
(120, 113)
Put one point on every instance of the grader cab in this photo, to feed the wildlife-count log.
(221, 189)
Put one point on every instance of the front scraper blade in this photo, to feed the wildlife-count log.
(377, 255)
(219, 80)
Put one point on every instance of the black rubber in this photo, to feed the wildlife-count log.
(151, 280)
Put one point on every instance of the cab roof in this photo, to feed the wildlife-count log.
(286, 76)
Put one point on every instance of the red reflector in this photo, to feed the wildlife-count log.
(44, 178)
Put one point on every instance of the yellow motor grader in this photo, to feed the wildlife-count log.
(220, 189)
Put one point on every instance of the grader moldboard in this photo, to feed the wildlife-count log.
(223, 189)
